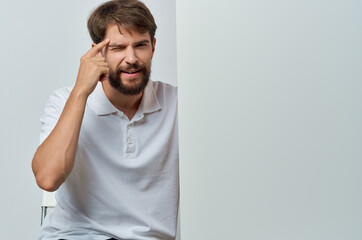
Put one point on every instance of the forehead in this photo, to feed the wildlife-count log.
(119, 33)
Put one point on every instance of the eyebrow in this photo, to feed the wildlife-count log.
(122, 45)
(143, 41)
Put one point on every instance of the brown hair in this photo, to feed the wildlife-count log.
(130, 14)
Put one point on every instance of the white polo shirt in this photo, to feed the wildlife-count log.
(125, 181)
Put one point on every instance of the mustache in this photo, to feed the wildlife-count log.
(131, 67)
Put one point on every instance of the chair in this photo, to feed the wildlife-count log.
(49, 202)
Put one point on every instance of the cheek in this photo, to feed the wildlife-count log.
(112, 63)
(144, 56)
(146, 61)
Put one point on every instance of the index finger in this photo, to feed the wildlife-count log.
(95, 50)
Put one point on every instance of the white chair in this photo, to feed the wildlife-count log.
(49, 202)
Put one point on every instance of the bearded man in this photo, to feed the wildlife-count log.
(109, 144)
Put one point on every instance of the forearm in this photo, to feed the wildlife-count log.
(54, 159)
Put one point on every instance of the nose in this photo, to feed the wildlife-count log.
(130, 57)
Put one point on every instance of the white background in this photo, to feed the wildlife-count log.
(270, 119)
(41, 45)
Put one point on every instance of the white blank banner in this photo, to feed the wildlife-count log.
(270, 119)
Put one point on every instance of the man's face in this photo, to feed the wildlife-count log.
(129, 56)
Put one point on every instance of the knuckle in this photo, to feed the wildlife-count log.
(84, 59)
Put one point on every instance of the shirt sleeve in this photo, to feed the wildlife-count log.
(53, 109)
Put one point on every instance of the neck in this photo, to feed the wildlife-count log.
(128, 104)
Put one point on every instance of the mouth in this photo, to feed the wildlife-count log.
(131, 74)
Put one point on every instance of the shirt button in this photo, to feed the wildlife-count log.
(129, 141)
(129, 126)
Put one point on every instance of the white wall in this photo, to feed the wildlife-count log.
(270, 119)
(41, 44)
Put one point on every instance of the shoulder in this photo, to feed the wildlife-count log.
(63, 92)
(57, 99)
(164, 90)
(52, 110)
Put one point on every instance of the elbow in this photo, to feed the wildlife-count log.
(47, 184)
(44, 177)
(46, 181)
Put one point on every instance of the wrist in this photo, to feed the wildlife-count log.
(80, 93)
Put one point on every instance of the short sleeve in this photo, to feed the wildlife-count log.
(53, 109)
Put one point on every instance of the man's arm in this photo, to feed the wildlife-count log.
(54, 159)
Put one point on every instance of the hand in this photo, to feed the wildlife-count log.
(93, 68)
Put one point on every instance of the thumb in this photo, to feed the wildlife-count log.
(103, 77)
(99, 54)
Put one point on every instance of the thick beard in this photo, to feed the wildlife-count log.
(116, 81)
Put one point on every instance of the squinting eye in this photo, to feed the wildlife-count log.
(141, 45)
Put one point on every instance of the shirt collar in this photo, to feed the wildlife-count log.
(149, 102)
(100, 104)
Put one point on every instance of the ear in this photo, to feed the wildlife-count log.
(153, 46)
